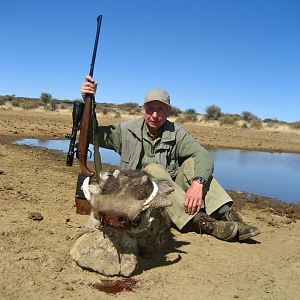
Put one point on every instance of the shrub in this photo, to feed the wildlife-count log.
(180, 120)
(190, 111)
(248, 116)
(295, 125)
(186, 118)
(45, 98)
(53, 105)
(63, 106)
(117, 115)
(256, 123)
(213, 112)
(129, 107)
(29, 104)
(229, 119)
(15, 102)
(175, 111)
(135, 111)
(244, 125)
(9, 97)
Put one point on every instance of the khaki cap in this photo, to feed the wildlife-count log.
(157, 95)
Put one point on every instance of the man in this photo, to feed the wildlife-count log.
(167, 151)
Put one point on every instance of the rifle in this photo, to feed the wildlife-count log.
(84, 114)
(88, 115)
(85, 119)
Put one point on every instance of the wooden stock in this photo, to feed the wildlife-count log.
(84, 135)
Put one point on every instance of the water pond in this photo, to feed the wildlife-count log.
(275, 175)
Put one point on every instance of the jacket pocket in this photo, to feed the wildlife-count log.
(125, 159)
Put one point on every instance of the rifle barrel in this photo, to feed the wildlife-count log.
(99, 21)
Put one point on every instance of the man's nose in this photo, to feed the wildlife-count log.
(154, 114)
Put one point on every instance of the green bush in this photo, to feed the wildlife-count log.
(45, 98)
(213, 112)
(248, 116)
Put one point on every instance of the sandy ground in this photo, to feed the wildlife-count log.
(35, 261)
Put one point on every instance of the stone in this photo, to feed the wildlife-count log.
(109, 254)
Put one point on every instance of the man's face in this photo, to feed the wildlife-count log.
(156, 114)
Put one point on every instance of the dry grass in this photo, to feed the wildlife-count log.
(116, 113)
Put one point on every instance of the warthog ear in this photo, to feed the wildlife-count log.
(116, 173)
(165, 187)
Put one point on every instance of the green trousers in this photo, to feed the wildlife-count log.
(214, 195)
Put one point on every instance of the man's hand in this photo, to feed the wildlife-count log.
(193, 198)
(88, 87)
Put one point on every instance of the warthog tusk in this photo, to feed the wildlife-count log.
(85, 188)
(146, 204)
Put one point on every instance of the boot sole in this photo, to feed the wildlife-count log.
(233, 234)
(249, 235)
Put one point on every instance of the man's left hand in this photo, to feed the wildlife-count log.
(193, 198)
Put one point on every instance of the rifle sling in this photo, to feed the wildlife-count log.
(97, 157)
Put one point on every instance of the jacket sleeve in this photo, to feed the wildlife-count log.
(110, 137)
(203, 163)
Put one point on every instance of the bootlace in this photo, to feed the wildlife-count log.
(205, 221)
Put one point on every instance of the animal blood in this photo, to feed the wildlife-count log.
(115, 286)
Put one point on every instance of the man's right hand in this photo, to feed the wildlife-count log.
(89, 86)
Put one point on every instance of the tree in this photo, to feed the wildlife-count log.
(175, 111)
(190, 115)
(190, 111)
(9, 97)
(53, 105)
(45, 98)
(248, 116)
(213, 112)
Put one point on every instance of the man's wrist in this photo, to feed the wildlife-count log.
(199, 179)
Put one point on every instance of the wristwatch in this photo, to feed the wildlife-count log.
(199, 179)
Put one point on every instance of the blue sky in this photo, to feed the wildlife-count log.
(242, 55)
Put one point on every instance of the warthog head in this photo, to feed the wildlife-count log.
(125, 199)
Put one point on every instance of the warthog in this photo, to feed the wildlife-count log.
(127, 217)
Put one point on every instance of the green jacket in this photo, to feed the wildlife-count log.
(173, 148)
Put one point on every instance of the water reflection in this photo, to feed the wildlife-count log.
(271, 174)
(107, 156)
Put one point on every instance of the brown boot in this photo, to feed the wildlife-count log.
(245, 231)
(223, 230)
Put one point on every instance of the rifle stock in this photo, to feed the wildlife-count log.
(83, 144)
